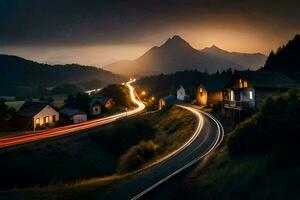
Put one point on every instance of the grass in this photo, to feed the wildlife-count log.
(259, 159)
(75, 166)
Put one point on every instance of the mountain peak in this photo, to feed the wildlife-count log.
(176, 41)
(213, 48)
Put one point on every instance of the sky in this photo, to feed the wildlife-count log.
(97, 32)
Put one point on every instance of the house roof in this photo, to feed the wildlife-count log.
(30, 108)
(267, 79)
(71, 112)
(100, 100)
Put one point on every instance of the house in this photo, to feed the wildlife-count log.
(38, 114)
(210, 93)
(107, 103)
(185, 93)
(97, 105)
(73, 115)
(166, 101)
(248, 89)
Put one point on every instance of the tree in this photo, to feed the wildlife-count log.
(6, 114)
(80, 101)
(116, 92)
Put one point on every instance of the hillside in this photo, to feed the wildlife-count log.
(259, 159)
(19, 72)
(78, 159)
(286, 59)
(177, 55)
(253, 61)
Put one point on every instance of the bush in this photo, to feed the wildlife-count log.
(80, 101)
(136, 156)
(273, 129)
(124, 134)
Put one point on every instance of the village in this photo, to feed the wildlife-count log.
(243, 93)
(37, 115)
(240, 96)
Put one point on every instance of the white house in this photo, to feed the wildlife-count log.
(247, 90)
(184, 93)
(39, 114)
(73, 115)
(181, 93)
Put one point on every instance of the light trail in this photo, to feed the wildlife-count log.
(59, 131)
(220, 134)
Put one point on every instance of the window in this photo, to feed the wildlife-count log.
(241, 83)
(245, 84)
(54, 118)
(37, 120)
(46, 119)
(250, 94)
(231, 95)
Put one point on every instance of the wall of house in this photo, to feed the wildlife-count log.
(96, 109)
(109, 104)
(214, 98)
(48, 113)
(161, 104)
(181, 94)
(201, 96)
(245, 96)
(79, 118)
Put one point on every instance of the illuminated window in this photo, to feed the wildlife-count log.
(37, 120)
(241, 83)
(250, 95)
(245, 84)
(231, 95)
(46, 119)
(200, 90)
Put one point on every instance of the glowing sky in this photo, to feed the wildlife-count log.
(100, 32)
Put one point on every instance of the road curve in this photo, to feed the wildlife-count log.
(69, 129)
(207, 136)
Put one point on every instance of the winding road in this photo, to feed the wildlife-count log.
(207, 136)
(10, 141)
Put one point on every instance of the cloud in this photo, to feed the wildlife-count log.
(75, 22)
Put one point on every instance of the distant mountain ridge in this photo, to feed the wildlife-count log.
(16, 71)
(177, 55)
(252, 60)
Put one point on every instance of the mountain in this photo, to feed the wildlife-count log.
(247, 60)
(286, 59)
(19, 72)
(175, 55)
